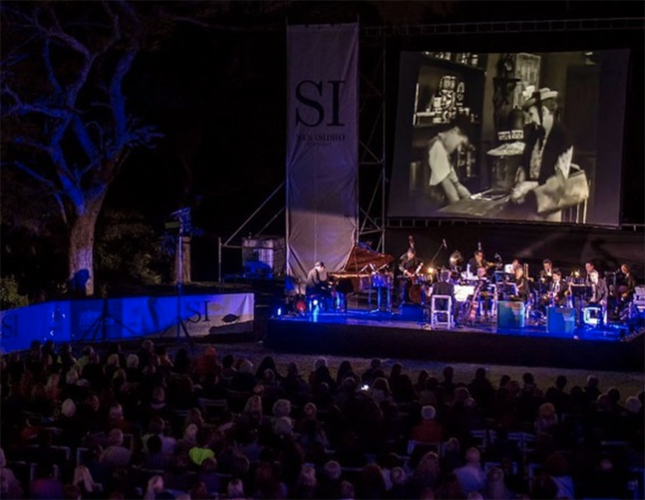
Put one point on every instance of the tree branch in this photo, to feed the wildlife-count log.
(117, 99)
(84, 139)
(34, 144)
(51, 76)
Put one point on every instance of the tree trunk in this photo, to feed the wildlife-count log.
(81, 247)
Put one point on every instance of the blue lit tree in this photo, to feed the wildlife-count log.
(67, 122)
(65, 117)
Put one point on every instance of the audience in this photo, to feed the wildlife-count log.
(147, 424)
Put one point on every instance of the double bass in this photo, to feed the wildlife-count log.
(471, 311)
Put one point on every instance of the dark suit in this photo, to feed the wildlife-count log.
(600, 293)
(445, 288)
(558, 292)
(522, 288)
(557, 143)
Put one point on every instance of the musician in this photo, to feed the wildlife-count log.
(589, 268)
(317, 282)
(522, 284)
(478, 262)
(546, 274)
(600, 291)
(409, 265)
(484, 294)
(558, 289)
(445, 287)
(628, 285)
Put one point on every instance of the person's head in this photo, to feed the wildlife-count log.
(83, 478)
(115, 437)
(346, 490)
(479, 255)
(589, 266)
(593, 276)
(557, 275)
(454, 138)
(235, 488)
(547, 264)
(473, 456)
(281, 408)
(445, 276)
(428, 412)
(332, 470)
(68, 408)
(320, 266)
(624, 269)
(411, 252)
(542, 107)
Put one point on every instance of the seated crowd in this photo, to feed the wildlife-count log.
(149, 425)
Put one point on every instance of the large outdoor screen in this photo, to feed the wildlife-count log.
(514, 136)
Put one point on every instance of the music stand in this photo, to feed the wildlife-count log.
(579, 293)
(184, 223)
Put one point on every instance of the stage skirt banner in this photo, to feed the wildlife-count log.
(322, 146)
(95, 320)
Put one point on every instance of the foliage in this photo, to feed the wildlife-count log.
(129, 251)
(10, 295)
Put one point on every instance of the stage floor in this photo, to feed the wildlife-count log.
(395, 319)
(360, 332)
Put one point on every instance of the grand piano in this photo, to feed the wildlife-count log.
(363, 267)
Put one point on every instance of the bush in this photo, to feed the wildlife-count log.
(10, 296)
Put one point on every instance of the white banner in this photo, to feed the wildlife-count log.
(97, 320)
(322, 146)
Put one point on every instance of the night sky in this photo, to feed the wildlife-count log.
(216, 89)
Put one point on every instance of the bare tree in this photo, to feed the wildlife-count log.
(65, 116)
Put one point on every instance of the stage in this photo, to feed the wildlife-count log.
(405, 334)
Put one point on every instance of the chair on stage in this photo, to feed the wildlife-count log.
(441, 311)
(593, 315)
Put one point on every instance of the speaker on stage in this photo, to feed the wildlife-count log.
(560, 319)
(510, 314)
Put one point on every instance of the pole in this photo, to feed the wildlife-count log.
(219, 260)
(255, 213)
(180, 278)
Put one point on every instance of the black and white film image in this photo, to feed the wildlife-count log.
(514, 136)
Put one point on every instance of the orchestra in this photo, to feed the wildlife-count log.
(478, 286)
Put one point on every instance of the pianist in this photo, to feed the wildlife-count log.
(318, 284)
(444, 185)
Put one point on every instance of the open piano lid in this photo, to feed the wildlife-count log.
(365, 260)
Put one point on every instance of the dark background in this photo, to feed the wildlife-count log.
(217, 91)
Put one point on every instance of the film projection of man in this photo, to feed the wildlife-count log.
(510, 136)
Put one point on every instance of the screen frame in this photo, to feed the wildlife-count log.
(612, 88)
